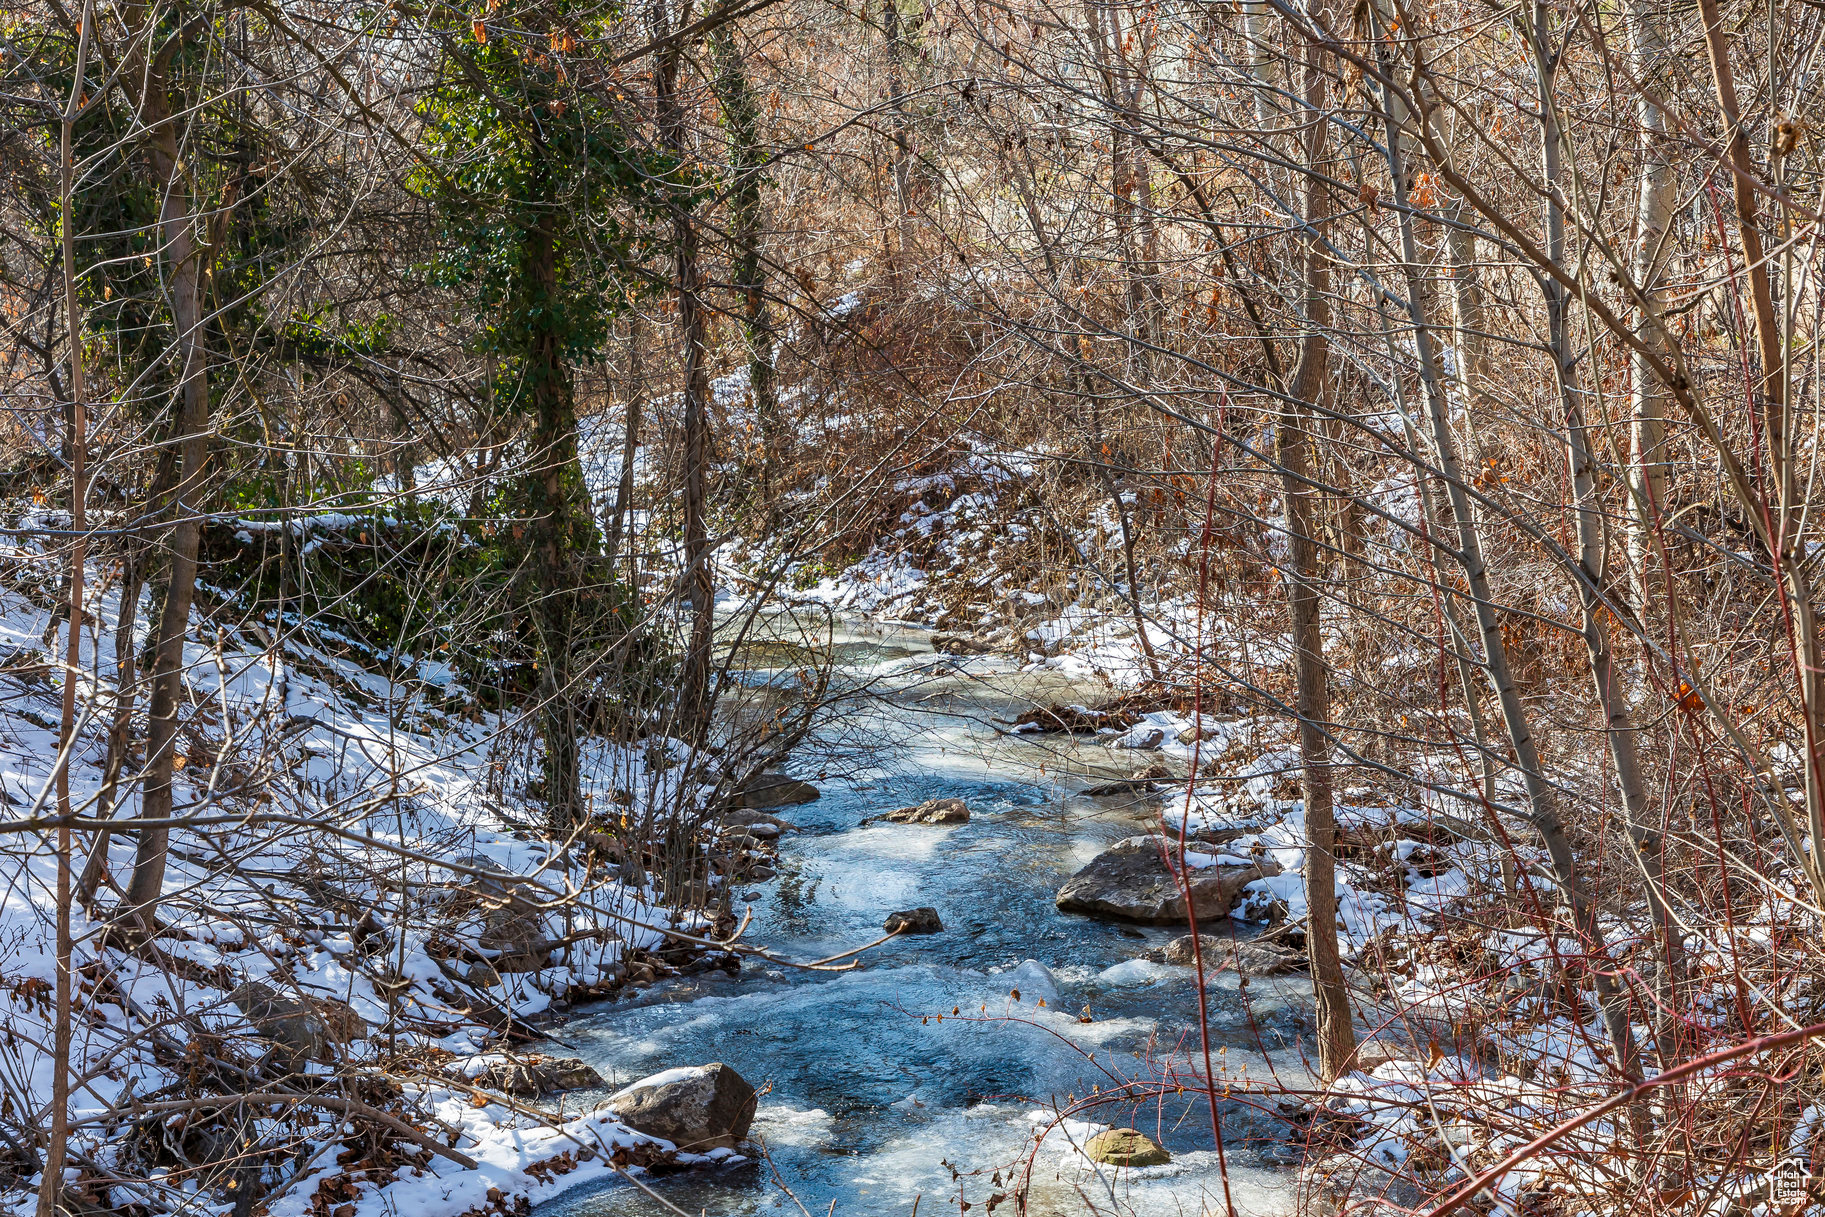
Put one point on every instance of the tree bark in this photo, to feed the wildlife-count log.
(902, 132)
(50, 1191)
(1543, 811)
(614, 532)
(1295, 432)
(1657, 187)
(185, 257)
(747, 160)
(1769, 391)
(695, 697)
(560, 533)
(1619, 728)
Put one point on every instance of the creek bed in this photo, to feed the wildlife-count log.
(871, 1101)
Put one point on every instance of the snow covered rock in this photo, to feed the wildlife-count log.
(1125, 1147)
(769, 790)
(1034, 982)
(697, 1108)
(932, 811)
(1129, 880)
(301, 1030)
(1372, 1054)
(1249, 958)
(923, 920)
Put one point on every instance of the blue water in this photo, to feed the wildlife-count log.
(869, 1099)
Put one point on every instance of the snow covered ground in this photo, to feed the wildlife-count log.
(347, 831)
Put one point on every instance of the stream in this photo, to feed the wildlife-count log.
(868, 1099)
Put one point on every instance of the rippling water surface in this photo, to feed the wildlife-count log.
(873, 1102)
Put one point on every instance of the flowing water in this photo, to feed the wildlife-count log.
(872, 1101)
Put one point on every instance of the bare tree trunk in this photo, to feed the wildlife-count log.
(50, 1191)
(1543, 812)
(902, 134)
(741, 115)
(1619, 729)
(1658, 190)
(185, 258)
(615, 530)
(1297, 427)
(561, 537)
(1785, 510)
(120, 730)
(694, 692)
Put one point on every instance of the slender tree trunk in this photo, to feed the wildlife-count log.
(185, 258)
(561, 538)
(120, 730)
(695, 696)
(902, 132)
(747, 160)
(1295, 434)
(1462, 651)
(1543, 811)
(1802, 626)
(50, 1192)
(1619, 729)
(634, 390)
(1658, 189)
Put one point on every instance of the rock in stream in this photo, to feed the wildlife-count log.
(922, 920)
(1129, 881)
(697, 1108)
(932, 811)
(1125, 1147)
(1248, 958)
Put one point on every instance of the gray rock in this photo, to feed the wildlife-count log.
(519, 935)
(914, 921)
(1129, 881)
(537, 1077)
(932, 811)
(1248, 958)
(769, 790)
(697, 1108)
(301, 1031)
(755, 821)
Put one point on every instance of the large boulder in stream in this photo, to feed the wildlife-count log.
(697, 1108)
(1129, 882)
